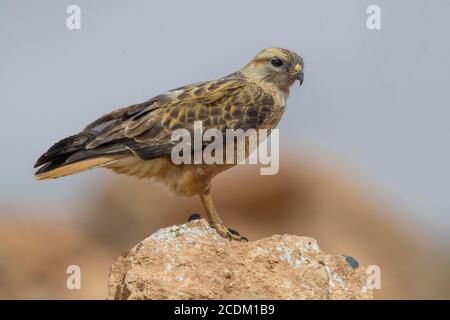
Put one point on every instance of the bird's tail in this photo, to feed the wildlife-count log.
(70, 156)
(72, 168)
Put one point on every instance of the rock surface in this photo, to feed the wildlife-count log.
(192, 261)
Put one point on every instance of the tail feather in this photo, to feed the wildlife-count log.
(65, 146)
(64, 170)
(70, 156)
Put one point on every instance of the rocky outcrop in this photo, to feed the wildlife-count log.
(192, 261)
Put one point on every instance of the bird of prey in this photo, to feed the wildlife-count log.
(136, 140)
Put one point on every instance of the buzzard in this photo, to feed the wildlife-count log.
(136, 140)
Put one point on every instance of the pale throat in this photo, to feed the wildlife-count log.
(280, 92)
(268, 82)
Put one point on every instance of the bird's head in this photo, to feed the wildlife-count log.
(278, 66)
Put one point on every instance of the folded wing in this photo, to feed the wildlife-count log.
(145, 129)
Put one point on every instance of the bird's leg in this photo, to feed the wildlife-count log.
(214, 219)
(213, 216)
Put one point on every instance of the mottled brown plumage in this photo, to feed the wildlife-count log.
(136, 140)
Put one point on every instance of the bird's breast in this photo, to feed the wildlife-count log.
(278, 108)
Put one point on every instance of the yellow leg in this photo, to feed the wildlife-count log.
(214, 220)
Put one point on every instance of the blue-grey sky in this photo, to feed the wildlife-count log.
(378, 98)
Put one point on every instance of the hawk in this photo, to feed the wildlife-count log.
(136, 140)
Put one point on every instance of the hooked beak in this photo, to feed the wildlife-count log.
(300, 77)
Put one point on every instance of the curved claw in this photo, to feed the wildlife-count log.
(244, 238)
(237, 234)
(229, 234)
(194, 216)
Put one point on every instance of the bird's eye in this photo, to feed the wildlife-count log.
(276, 62)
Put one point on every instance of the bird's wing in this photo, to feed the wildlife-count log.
(145, 129)
(221, 104)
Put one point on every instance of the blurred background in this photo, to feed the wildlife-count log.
(365, 163)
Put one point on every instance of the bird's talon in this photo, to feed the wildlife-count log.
(228, 233)
(235, 232)
(237, 235)
(194, 216)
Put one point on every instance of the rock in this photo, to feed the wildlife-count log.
(192, 261)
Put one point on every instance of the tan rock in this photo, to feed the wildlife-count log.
(192, 261)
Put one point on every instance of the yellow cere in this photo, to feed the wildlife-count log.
(298, 67)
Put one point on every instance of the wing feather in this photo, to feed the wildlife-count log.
(145, 129)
